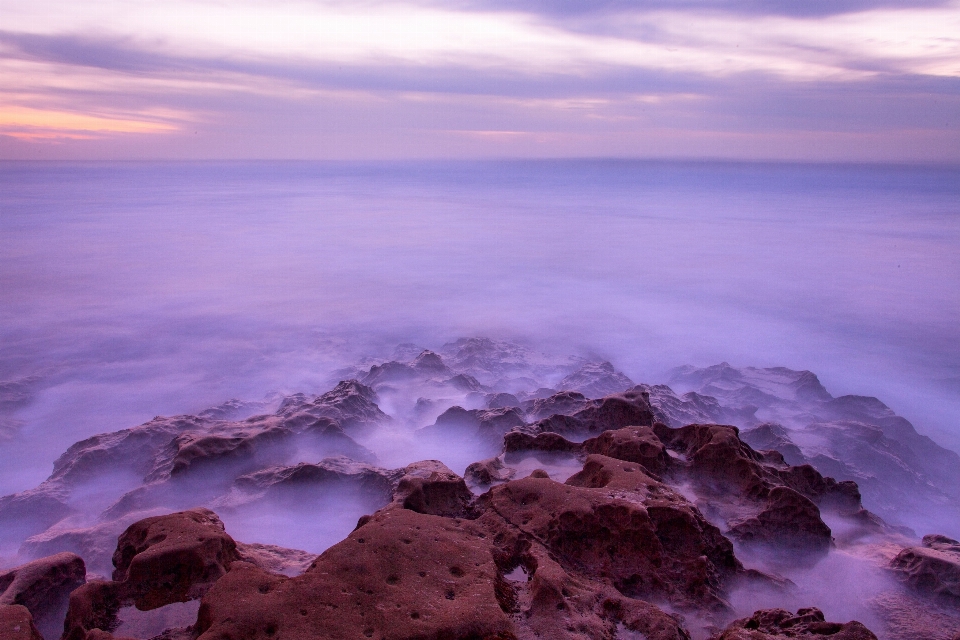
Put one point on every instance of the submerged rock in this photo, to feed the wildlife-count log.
(932, 569)
(777, 624)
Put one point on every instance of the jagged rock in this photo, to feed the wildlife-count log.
(774, 436)
(16, 623)
(487, 425)
(400, 574)
(787, 520)
(502, 401)
(336, 474)
(351, 404)
(932, 569)
(430, 487)
(173, 558)
(519, 441)
(631, 408)
(43, 587)
(562, 403)
(269, 557)
(486, 472)
(465, 382)
(595, 380)
(776, 624)
(677, 411)
(632, 444)
(656, 544)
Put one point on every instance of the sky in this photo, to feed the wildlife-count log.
(820, 80)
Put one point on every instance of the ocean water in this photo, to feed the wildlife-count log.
(129, 290)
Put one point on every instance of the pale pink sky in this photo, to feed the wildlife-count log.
(783, 79)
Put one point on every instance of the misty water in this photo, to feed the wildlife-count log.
(131, 290)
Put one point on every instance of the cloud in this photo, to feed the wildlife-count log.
(539, 72)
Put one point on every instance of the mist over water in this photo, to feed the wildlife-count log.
(131, 290)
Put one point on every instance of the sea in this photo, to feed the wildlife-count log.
(129, 290)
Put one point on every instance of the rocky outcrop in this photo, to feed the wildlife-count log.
(16, 623)
(595, 380)
(401, 574)
(43, 587)
(777, 624)
(932, 569)
(350, 404)
(787, 520)
(631, 444)
(562, 403)
(158, 561)
(485, 425)
(487, 472)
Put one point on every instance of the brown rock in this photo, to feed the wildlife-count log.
(16, 623)
(776, 624)
(550, 442)
(932, 569)
(401, 574)
(173, 558)
(650, 543)
(487, 472)
(43, 587)
(432, 488)
(159, 561)
(631, 444)
(788, 520)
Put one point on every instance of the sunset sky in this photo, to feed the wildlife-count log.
(749, 79)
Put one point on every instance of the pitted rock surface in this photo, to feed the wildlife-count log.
(807, 624)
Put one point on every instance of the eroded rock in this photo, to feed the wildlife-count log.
(774, 624)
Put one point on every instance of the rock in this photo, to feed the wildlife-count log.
(932, 569)
(400, 574)
(351, 404)
(43, 587)
(430, 487)
(337, 474)
(631, 408)
(774, 436)
(631, 444)
(563, 403)
(484, 425)
(487, 472)
(173, 558)
(774, 624)
(518, 441)
(502, 400)
(16, 623)
(654, 543)
(274, 559)
(159, 561)
(787, 520)
(595, 380)
(679, 411)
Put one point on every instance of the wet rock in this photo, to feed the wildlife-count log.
(487, 472)
(562, 403)
(502, 400)
(932, 569)
(173, 558)
(519, 441)
(351, 404)
(774, 624)
(432, 488)
(274, 559)
(43, 587)
(335, 474)
(595, 380)
(787, 520)
(158, 561)
(774, 436)
(613, 522)
(16, 623)
(400, 574)
(486, 425)
(631, 408)
(631, 444)
(678, 411)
